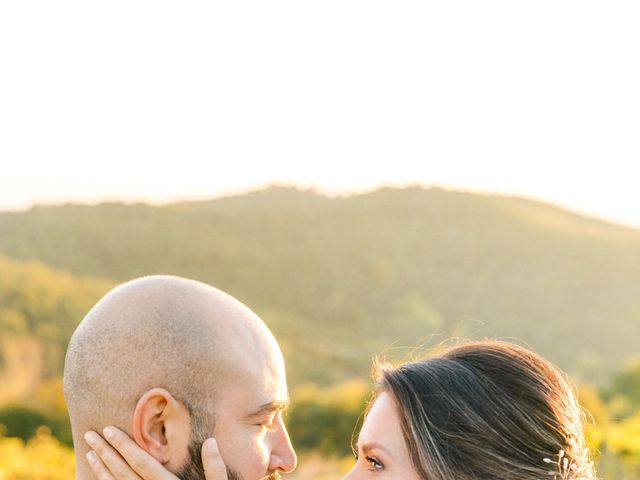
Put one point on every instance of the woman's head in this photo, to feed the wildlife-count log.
(478, 410)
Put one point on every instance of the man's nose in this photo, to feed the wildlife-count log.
(283, 457)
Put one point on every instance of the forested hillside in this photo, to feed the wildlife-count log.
(39, 309)
(341, 279)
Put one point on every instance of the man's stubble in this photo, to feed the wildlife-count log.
(194, 470)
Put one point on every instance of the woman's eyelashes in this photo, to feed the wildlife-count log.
(374, 463)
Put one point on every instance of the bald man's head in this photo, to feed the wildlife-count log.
(164, 334)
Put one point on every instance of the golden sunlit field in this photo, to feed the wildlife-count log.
(45, 458)
(323, 456)
(42, 457)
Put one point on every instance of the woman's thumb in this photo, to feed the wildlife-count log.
(214, 468)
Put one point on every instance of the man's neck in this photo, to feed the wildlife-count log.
(83, 470)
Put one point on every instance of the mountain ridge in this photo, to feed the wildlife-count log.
(339, 279)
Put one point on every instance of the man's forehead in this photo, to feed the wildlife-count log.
(271, 394)
(253, 373)
(251, 389)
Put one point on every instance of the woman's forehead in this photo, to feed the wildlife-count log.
(382, 423)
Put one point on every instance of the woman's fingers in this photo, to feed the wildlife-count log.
(141, 462)
(108, 463)
(98, 467)
(122, 459)
(214, 468)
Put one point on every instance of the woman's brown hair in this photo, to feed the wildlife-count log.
(488, 410)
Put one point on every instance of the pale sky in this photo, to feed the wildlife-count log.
(160, 101)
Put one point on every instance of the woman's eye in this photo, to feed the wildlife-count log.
(374, 463)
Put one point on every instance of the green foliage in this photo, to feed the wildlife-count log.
(627, 383)
(21, 421)
(325, 420)
(39, 309)
(39, 301)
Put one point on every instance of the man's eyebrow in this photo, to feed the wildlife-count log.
(275, 406)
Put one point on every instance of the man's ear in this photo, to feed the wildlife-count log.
(161, 426)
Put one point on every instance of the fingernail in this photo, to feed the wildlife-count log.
(91, 457)
(90, 438)
(108, 433)
(212, 445)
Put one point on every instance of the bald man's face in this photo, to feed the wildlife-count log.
(249, 427)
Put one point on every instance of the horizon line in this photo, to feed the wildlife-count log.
(319, 190)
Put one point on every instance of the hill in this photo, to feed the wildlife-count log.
(339, 279)
(39, 309)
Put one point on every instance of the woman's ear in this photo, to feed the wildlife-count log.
(161, 426)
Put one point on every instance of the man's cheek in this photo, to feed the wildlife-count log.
(256, 458)
(260, 451)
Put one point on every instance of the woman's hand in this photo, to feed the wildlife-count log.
(118, 457)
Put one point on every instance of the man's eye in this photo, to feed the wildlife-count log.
(374, 463)
(266, 426)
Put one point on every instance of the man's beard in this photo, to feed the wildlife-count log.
(193, 469)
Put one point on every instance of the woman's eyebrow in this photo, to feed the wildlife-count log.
(365, 447)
